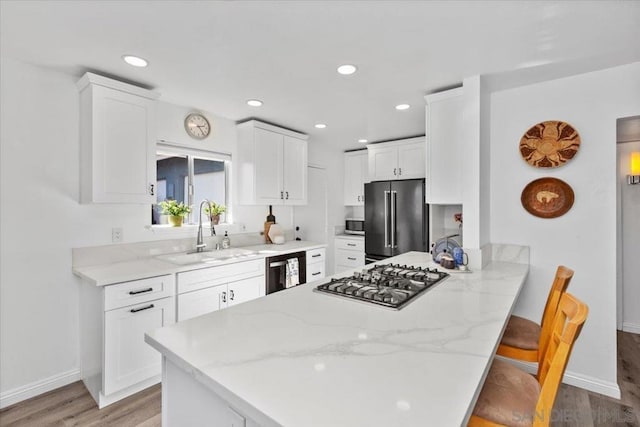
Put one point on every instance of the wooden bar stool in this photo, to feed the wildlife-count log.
(524, 339)
(512, 397)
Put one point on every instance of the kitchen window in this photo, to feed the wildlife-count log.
(188, 175)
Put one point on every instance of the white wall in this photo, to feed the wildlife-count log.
(42, 220)
(584, 238)
(629, 209)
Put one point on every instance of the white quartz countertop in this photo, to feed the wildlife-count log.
(117, 272)
(301, 358)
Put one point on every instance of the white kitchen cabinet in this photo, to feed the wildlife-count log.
(356, 166)
(316, 264)
(206, 290)
(444, 124)
(401, 159)
(271, 165)
(115, 361)
(117, 141)
(349, 253)
(128, 360)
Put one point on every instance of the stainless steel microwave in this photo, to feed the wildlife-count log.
(354, 226)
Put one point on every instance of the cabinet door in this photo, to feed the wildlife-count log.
(383, 163)
(295, 171)
(203, 301)
(123, 147)
(443, 150)
(246, 290)
(355, 171)
(268, 167)
(127, 358)
(411, 160)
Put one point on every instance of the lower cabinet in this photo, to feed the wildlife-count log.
(203, 301)
(349, 253)
(128, 360)
(209, 289)
(114, 358)
(315, 264)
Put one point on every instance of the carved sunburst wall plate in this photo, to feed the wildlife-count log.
(547, 197)
(549, 144)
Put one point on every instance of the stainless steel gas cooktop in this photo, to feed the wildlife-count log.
(389, 285)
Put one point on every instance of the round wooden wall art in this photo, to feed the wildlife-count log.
(549, 144)
(547, 197)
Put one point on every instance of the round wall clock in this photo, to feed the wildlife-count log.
(549, 144)
(197, 126)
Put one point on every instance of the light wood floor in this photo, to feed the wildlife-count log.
(73, 406)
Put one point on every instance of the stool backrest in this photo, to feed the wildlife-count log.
(558, 288)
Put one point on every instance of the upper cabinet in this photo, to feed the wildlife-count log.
(117, 134)
(271, 165)
(355, 175)
(401, 159)
(444, 122)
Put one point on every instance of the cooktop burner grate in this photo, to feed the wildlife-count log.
(388, 285)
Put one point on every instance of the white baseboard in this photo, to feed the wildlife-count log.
(27, 391)
(634, 328)
(578, 380)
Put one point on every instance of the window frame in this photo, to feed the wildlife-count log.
(191, 154)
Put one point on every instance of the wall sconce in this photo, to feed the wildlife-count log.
(634, 176)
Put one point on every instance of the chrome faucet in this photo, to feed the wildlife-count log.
(200, 245)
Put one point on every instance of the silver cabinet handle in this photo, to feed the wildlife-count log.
(135, 310)
(351, 258)
(386, 219)
(399, 171)
(316, 255)
(282, 195)
(151, 189)
(358, 198)
(316, 273)
(231, 295)
(351, 244)
(224, 297)
(141, 291)
(287, 195)
(394, 172)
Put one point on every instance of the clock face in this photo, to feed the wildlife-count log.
(197, 126)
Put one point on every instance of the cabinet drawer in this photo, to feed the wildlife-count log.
(350, 244)
(315, 255)
(128, 360)
(315, 271)
(138, 291)
(212, 276)
(349, 258)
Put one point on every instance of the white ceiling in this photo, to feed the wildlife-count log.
(216, 55)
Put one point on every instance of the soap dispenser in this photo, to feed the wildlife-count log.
(226, 241)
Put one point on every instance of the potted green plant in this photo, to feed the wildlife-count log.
(176, 211)
(214, 210)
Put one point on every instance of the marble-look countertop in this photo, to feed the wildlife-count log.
(301, 358)
(124, 271)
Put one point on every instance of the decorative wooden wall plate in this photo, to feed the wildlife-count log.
(549, 144)
(547, 197)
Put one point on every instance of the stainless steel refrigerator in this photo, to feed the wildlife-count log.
(395, 218)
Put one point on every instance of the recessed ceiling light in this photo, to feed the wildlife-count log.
(321, 125)
(254, 102)
(347, 69)
(363, 141)
(136, 61)
(403, 107)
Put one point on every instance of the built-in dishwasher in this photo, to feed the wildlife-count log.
(286, 271)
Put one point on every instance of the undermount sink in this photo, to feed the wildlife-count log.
(208, 257)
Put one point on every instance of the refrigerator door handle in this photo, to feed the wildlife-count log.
(386, 219)
(393, 218)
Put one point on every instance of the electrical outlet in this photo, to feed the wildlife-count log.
(116, 234)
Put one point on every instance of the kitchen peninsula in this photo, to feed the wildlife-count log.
(302, 358)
